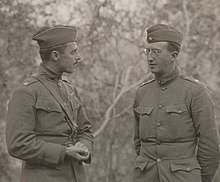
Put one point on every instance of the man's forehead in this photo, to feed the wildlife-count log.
(72, 45)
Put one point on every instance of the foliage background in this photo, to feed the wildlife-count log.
(111, 38)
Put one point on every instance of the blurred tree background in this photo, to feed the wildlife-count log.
(111, 38)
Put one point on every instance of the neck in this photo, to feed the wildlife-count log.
(52, 68)
(161, 76)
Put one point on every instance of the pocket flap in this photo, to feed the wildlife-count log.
(143, 110)
(32, 165)
(180, 108)
(140, 162)
(48, 105)
(188, 165)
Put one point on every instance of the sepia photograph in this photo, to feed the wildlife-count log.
(109, 91)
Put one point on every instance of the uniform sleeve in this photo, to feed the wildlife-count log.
(137, 140)
(21, 138)
(204, 121)
(84, 133)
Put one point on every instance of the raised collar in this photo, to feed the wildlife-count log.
(50, 75)
(169, 77)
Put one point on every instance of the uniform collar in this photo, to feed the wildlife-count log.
(169, 77)
(50, 75)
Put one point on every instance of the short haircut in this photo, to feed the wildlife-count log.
(46, 53)
(172, 46)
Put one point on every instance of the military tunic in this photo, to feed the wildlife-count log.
(37, 129)
(175, 135)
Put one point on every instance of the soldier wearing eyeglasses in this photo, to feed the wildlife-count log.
(175, 133)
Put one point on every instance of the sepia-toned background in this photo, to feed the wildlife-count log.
(111, 40)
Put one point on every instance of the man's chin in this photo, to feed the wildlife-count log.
(69, 71)
(152, 70)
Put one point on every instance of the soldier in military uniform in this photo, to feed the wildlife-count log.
(47, 126)
(175, 134)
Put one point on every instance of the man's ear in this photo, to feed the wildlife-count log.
(55, 56)
(174, 55)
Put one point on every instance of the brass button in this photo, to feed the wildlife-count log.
(160, 106)
(158, 142)
(159, 160)
(164, 88)
(48, 108)
(188, 168)
(158, 124)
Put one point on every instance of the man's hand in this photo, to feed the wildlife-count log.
(78, 151)
(81, 145)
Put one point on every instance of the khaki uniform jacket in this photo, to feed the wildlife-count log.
(37, 129)
(175, 134)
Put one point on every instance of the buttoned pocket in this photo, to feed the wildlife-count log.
(48, 106)
(184, 165)
(142, 110)
(178, 122)
(32, 165)
(178, 109)
(141, 163)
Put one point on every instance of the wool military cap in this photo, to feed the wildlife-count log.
(164, 33)
(48, 37)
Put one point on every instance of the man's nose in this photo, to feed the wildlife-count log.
(78, 57)
(150, 58)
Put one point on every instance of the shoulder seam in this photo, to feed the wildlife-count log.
(29, 81)
(191, 79)
(147, 82)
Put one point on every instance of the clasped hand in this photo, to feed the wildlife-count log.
(78, 151)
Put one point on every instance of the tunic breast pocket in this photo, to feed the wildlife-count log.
(143, 110)
(146, 119)
(48, 115)
(177, 112)
(177, 121)
(176, 109)
(48, 106)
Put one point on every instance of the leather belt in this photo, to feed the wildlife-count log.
(159, 141)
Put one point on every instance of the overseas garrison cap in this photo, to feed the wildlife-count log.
(48, 37)
(164, 33)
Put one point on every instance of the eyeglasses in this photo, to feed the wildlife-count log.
(152, 52)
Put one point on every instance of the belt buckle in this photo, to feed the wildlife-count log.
(158, 142)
